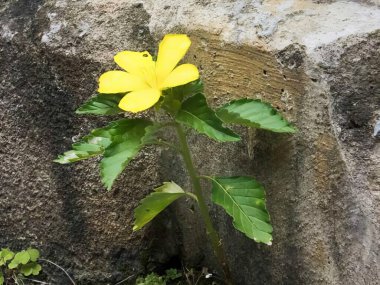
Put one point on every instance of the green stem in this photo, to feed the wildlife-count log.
(211, 232)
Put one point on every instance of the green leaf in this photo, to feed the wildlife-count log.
(36, 269)
(151, 279)
(90, 146)
(30, 268)
(128, 137)
(102, 104)
(21, 257)
(150, 136)
(26, 269)
(119, 142)
(183, 91)
(1, 278)
(33, 253)
(172, 274)
(173, 97)
(187, 90)
(5, 255)
(256, 114)
(155, 203)
(196, 114)
(243, 198)
(13, 265)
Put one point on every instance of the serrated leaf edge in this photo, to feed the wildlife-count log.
(248, 100)
(225, 191)
(234, 137)
(158, 190)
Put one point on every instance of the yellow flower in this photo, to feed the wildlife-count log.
(144, 79)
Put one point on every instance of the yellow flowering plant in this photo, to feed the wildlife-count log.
(176, 90)
(144, 79)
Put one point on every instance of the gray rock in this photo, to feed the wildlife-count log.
(376, 130)
(315, 61)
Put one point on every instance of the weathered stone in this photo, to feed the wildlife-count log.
(315, 61)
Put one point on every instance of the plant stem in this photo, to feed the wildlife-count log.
(36, 281)
(211, 232)
(124, 280)
(60, 267)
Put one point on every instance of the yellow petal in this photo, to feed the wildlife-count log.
(182, 74)
(138, 63)
(116, 81)
(171, 50)
(141, 100)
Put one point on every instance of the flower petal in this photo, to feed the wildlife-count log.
(141, 100)
(171, 50)
(137, 63)
(182, 74)
(117, 81)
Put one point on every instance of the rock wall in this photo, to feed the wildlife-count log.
(315, 61)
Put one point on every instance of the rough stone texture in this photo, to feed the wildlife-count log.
(316, 61)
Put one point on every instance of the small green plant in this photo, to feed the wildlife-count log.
(172, 274)
(154, 279)
(15, 266)
(151, 279)
(177, 95)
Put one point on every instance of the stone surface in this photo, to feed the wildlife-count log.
(315, 61)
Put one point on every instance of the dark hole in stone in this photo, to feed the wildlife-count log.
(284, 77)
(138, 5)
(175, 262)
(353, 125)
(194, 56)
(371, 87)
(264, 72)
(166, 7)
(145, 55)
(282, 90)
(314, 79)
(291, 56)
